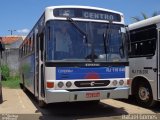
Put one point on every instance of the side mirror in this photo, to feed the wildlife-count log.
(2, 47)
(123, 30)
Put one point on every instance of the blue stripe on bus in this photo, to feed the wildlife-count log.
(70, 73)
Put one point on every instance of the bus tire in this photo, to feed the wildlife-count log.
(144, 96)
(41, 104)
(23, 84)
(1, 96)
(23, 87)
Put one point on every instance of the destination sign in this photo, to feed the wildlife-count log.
(100, 16)
(86, 14)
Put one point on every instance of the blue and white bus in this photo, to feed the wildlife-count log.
(93, 67)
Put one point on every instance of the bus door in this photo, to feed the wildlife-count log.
(39, 69)
(158, 63)
(36, 87)
(41, 65)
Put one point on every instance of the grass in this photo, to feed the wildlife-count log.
(11, 82)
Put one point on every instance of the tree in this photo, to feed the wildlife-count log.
(144, 16)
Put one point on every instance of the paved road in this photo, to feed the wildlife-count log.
(18, 102)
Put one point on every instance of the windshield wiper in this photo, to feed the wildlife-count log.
(106, 37)
(78, 28)
(91, 56)
(121, 48)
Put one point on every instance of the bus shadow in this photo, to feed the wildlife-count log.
(81, 110)
(156, 109)
(77, 110)
(131, 100)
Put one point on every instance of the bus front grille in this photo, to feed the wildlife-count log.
(95, 83)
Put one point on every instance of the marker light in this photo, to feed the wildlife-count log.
(68, 84)
(114, 82)
(121, 82)
(50, 84)
(60, 84)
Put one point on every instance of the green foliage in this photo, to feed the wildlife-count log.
(144, 16)
(7, 80)
(11, 82)
(136, 19)
(4, 72)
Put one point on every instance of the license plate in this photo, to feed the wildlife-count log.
(93, 95)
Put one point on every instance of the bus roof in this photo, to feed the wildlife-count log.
(87, 7)
(146, 22)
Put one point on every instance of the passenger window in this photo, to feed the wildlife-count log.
(143, 42)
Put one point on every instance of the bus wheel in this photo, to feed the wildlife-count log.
(144, 95)
(1, 97)
(24, 89)
(41, 104)
(21, 86)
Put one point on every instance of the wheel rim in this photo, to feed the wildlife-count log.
(144, 94)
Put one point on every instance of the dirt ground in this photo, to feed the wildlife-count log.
(15, 101)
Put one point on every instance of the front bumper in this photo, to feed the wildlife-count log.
(54, 96)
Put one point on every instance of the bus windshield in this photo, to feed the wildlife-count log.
(65, 42)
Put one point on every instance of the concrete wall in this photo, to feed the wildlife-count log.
(10, 57)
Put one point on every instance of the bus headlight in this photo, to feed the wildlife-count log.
(114, 83)
(60, 84)
(121, 82)
(68, 84)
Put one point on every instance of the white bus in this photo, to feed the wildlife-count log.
(76, 53)
(144, 60)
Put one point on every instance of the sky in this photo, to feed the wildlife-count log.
(21, 15)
